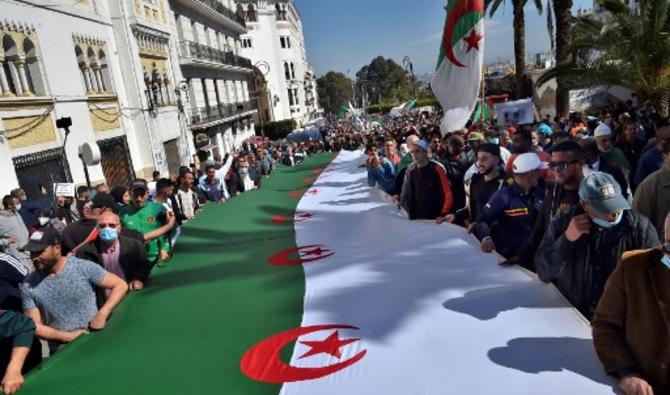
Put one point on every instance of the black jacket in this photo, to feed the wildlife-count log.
(580, 269)
(132, 257)
(615, 171)
(77, 232)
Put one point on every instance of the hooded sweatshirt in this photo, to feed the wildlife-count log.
(11, 224)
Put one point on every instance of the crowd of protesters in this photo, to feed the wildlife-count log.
(66, 262)
(584, 202)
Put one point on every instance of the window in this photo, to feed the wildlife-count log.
(288, 42)
(283, 42)
(290, 97)
(292, 71)
(296, 100)
(287, 72)
(21, 70)
(252, 16)
(246, 43)
(152, 10)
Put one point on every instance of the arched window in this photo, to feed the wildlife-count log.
(287, 72)
(94, 71)
(105, 74)
(33, 74)
(83, 68)
(9, 68)
(240, 11)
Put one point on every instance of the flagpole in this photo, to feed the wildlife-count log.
(481, 121)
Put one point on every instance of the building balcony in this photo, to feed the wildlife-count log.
(216, 11)
(194, 54)
(202, 118)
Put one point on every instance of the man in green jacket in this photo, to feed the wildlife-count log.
(652, 197)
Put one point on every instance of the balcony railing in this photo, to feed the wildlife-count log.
(222, 111)
(225, 11)
(194, 50)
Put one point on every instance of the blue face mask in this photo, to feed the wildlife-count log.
(495, 141)
(605, 224)
(109, 235)
(666, 260)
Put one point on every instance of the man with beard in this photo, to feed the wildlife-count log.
(567, 160)
(60, 297)
(605, 142)
(483, 184)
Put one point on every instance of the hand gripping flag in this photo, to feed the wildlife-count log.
(458, 76)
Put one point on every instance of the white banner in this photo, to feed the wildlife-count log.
(519, 112)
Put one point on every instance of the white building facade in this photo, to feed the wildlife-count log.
(220, 111)
(59, 61)
(276, 45)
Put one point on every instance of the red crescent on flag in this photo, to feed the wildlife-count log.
(460, 9)
(297, 217)
(307, 254)
(263, 363)
(312, 192)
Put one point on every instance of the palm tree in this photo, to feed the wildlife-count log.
(519, 38)
(563, 17)
(627, 49)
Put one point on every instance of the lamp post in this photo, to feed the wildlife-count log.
(409, 68)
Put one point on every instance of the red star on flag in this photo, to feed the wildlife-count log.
(473, 40)
(331, 345)
(318, 251)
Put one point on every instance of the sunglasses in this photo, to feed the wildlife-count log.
(561, 165)
(103, 226)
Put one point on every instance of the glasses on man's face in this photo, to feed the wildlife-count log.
(110, 225)
(561, 166)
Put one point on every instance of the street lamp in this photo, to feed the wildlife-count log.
(409, 68)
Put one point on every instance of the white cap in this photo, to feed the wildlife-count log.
(527, 162)
(602, 130)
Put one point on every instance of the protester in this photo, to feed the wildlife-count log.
(391, 151)
(605, 143)
(567, 159)
(59, 296)
(631, 145)
(652, 160)
(488, 179)
(121, 196)
(64, 210)
(595, 162)
(522, 142)
(630, 330)
(20, 330)
(151, 219)
(513, 208)
(213, 187)
(652, 198)
(381, 170)
(186, 197)
(13, 232)
(583, 245)
(117, 254)
(425, 192)
(28, 209)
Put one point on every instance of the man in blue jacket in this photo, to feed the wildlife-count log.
(507, 219)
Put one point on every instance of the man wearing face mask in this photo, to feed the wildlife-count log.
(123, 256)
(583, 245)
(630, 326)
(60, 297)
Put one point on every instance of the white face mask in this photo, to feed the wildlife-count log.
(44, 220)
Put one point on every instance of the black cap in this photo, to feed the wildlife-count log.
(489, 148)
(139, 184)
(103, 200)
(41, 239)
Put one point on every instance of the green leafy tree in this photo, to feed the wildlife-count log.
(334, 90)
(382, 81)
(627, 49)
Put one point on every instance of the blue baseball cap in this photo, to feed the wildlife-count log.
(603, 193)
(423, 144)
(545, 129)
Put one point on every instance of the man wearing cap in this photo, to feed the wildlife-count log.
(474, 141)
(60, 297)
(595, 161)
(425, 191)
(605, 142)
(567, 159)
(151, 219)
(583, 245)
(522, 142)
(513, 209)
(630, 326)
(487, 180)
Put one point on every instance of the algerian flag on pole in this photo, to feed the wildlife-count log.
(457, 80)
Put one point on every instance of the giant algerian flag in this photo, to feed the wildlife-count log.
(459, 68)
(322, 287)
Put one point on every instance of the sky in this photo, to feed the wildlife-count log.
(345, 35)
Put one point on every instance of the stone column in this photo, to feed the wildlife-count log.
(23, 78)
(87, 78)
(4, 85)
(97, 71)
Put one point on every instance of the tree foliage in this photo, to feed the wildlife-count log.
(628, 49)
(334, 90)
(383, 81)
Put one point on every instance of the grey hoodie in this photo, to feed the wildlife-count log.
(11, 224)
